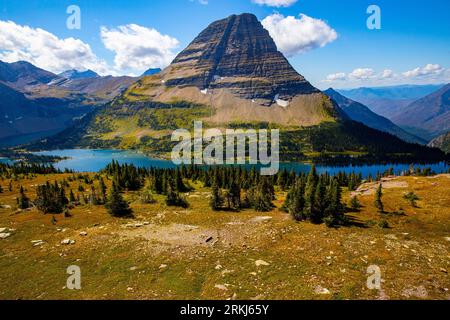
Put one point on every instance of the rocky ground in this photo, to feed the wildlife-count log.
(171, 253)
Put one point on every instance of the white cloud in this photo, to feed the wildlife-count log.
(430, 70)
(138, 48)
(428, 74)
(298, 35)
(335, 77)
(46, 50)
(387, 74)
(275, 3)
(362, 73)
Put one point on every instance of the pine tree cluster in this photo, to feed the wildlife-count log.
(51, 198)
(316, 198)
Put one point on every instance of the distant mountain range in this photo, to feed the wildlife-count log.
(359, 112)
(422, 110)
(388, 101)
(35, 102)
(22, 116)
(232, 75)
(428, 116)
(22, 75)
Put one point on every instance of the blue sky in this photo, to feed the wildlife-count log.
(413, 45)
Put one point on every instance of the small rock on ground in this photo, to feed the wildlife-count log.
(321, 290)
(4, 235)
(221, 287)
(261, 263)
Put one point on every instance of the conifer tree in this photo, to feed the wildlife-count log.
(51, 198)
(259, 198)
(116, 205)
(288, 201)
(103, 190)
(146, 195)
(93, 201)
(335, 210)
(179, 184)
(296, 204)
(62, 199)
(24, 201)
(320, 202)
(216, 201)
(71, 197)
(175, 199)
(234, 194)
(310, 192)
(378, 198)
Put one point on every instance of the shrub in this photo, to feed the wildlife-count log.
(355, 205)
(412, 198)
(174, 199)
(383, 224)
(146, 197)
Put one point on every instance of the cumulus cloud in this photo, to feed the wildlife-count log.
(275, 3)
(362, 73)
(429, 70)
(335, 77)
(430, 73)
(138, 48)
(387, 74)
(46, 50)
(298, 35)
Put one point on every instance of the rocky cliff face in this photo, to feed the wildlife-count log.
(237, 53)
(442, 142)
(234, 67)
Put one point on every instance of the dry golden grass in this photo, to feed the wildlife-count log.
(119, 261)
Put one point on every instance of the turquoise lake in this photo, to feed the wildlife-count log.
(82, 160)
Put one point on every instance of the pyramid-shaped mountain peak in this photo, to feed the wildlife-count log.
(237, 53)
(234, 67)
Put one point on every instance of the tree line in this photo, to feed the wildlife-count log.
(310, 196)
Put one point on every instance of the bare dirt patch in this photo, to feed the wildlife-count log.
(370, 188)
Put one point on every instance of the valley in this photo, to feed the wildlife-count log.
(232, 76)
(46, 103)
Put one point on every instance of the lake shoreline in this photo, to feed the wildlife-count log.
(94, 160)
